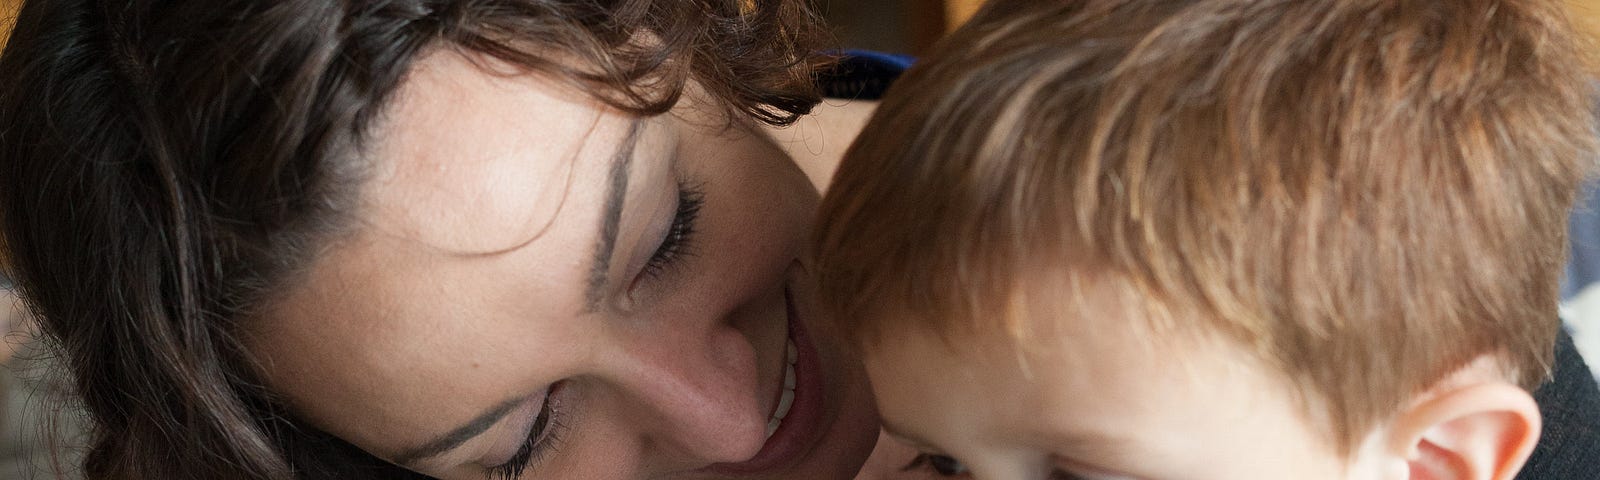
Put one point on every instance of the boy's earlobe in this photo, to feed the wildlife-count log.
(1483, 431)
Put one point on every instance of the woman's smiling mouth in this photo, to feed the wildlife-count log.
(794, 425)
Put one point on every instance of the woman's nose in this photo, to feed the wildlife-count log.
(696, 391)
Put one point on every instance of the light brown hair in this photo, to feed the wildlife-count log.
(1367, 195)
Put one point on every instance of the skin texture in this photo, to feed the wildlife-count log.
(1079, 412)
(1093, 397)
(465, 286)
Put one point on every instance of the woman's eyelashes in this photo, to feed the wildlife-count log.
(676, 242)
(543, 438)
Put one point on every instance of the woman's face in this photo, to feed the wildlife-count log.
(539, 281)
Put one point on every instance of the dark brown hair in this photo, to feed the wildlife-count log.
(1364, 194)
(165, 165)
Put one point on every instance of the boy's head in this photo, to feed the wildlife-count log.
(1217, 238)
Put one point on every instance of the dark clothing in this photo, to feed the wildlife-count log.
(862, 75)
(1569, 449)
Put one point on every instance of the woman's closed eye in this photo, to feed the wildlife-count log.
(675, 242)
(542, 440)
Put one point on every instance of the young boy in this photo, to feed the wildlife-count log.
(1217, 239)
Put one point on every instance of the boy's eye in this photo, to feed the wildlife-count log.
(1063, 475)
(943, 465)
(947, 466)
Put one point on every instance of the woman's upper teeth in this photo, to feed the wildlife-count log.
(787, 400)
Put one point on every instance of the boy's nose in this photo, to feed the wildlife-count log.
(696, 391)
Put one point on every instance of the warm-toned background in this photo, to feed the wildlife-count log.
(910, 26)
(8, 9)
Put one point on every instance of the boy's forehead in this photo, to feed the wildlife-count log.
(1064, 343)
(1059, 313)
(1080, 343)
(1102, 391)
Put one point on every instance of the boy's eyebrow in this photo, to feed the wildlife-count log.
(1085, 439)
(1089, 441)
(893, 433)
(897, 431)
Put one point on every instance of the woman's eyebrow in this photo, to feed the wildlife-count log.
(616, 193)
(453, 439)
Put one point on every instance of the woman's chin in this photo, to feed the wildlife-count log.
(852, 420)
(857, 436)
(855, 427)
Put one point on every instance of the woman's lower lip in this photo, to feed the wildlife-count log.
(801, 427)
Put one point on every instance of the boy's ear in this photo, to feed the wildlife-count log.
(1483, 431)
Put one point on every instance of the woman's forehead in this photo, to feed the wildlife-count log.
(476, 161)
